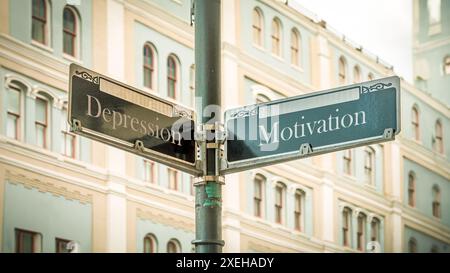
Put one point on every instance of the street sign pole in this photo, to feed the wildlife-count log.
(208, 187)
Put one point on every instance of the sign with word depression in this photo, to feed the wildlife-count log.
(116, 114)
(316, 123)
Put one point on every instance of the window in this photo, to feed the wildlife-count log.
(295, 47)
(258, 195)
(434, 249)
(68, 138)
(356, 74)
(280, 191)
(347, 158)
(39, 28)
(346, 226)
(439, 142)
(298, 210)
(415, 123)
(257, 27)
(436, 202)
(173, 246)
(171, 77)
(192, 186)
(361, 232)
(149, 171)
(370, 77)
(375, 230)
(192, 84)
(13, 112)
(70, 31)
(447, 65)
(149, 66)
(369, 163)
(28, 241)
(150, 244)
(41, 122)
(342, 70)
(61, 245)
(173, 179)
(434, 11)
(412, 245)
(411, 189)
(276, 37)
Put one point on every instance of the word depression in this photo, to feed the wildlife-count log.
(131, 120)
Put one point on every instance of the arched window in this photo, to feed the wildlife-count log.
(436, 201)
(173, 246)
(415, 123)
(369, 165)
(356, 74)
(439, 139)
(149, 66)
(299, 210)
(14, 109)
(276, 37)
(280, 200)
(172, 79)
(412, 245)
(295, 47)
(342, 70)
(68, 147)
(346, 226)
(447, 65)
(258, 27)
(370, 77)
(150, 244)
(375, 230)
(70, 32)
(258, 195)
(411, 189)
(39, 24)
(42, 121)
(361, 232)
(347, 161)
(149, 171)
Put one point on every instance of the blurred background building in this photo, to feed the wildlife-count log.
(56, 187)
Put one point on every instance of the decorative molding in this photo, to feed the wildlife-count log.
(47, 187)
(247, 112)
(179, 111)
(88, 77)
(374, 88)
(165, 218)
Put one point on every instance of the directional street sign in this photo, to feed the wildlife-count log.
(122, 116)
(316, 123)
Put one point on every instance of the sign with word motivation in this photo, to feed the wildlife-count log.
(311, 124)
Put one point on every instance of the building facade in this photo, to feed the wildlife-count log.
(57, 187)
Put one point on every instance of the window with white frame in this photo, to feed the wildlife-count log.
(68, 145)
(447, 65)
(342, 70)
(369, 165)
(42, 108)
(412, 245)
(361, 232)
(150, 244)
(28, 241)
(439, 138)
(14, 112)
(347, 161)
(375, 230)
(257, 27)
(258, 195)
(71, 35)
(415, 123)
(299, 214)
(412, 189)
(280, 199)
(149, 171)
(172, 77)
(276, 37)
(173, 179)
(295, 47)
(346, 226)
(436, 201)
(173, 246)
(356, 74)
(40, 21)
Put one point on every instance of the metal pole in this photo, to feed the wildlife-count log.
(208, 188)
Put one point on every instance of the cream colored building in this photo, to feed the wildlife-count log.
(56, 187)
